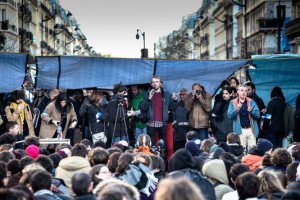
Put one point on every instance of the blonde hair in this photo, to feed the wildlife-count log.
(269, 183)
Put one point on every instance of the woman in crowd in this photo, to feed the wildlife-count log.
(58, 119)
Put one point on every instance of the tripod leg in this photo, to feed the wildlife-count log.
(115, 125)
(124, 119)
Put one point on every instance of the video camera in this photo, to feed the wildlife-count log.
(159, 148)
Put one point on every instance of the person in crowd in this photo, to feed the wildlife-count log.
(82, 186)
(296, 136)
(219, 180)
(83, 113)
(198, 104)
(235, 146)
(256, 154)
(251, 93)
(235, 171)
(158, 167)
(3, 175)
(98, 155)
(280, 159)
(247, 186)
(59, 119)
(71, 165)
(137, 97)
(234, 82)
(273, 123)
(12, 129)
(112, 162)
(289, 125)
(221, 124)
(49, 96)
(117, 116)
(219, 96)
(181, 121)
(157, 103)
(31, 140)
(144, 144)
(296, 153)
(123, 162)
(183, 188)
(291, 171)
(97, 116)
(20, 112)
(14, 179)
(244, 113)
(77, 102)
(270, 186)
(193, 136)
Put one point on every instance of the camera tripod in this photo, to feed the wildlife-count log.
(120, 115)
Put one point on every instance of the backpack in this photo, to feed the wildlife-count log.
(205, 186)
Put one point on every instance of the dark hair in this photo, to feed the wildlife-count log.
(9, 194)
(26, 192)
(13, 166)
(236, 80)
(31, 140)
(62, 146)
(79, 150)
(55, 159)
(95, 171)
(63, 97)
(6, 156)
(99, 156)
(81, 183)
(227, 88)
(238, 169)
(3, 173)
(10, 125)
(234, 90)
(277, 92)
(24, 162)
(16, 95)
(233, 138)
(123, 162)
(291, 195)
(7, 138)
(113, 150)
(291, 171)
(191, 135)
(86, 142)
(196, 84)
(296, 152)
(119, 87)
(251, 85)
(40, 179)
(247, 185)
(229, 161)
(281, 157)
(113, 161)
(45, 162)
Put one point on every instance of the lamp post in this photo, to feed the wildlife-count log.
(144, 51)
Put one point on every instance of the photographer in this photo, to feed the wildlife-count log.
(198, 104)
(117, 115)
(144, 145)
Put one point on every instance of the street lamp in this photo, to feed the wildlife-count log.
(144, 51)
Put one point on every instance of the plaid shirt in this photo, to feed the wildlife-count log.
(155, 124)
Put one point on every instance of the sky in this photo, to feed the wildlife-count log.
(111, 25)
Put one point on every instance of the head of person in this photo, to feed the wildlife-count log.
(250, 88)
(281, 157)
(233, 82)
(3, 174)
(226, 93)
(6, 156)
(277, 92)
(206, 145)
(79, 150)
(62, 101)
(81, 184)
(98, 155)
(183, 94)
(191, 135)
(247, 185)
(234, 92)
(119, 88)
(233, 139)
(196, 86)
(269, 182)
(263, 146)
(242, 92)
(291, 172)
(45, 162)
(144, 140)
(31, 140)
(78, 94)
(17, 96)
(89, 91)
(181, 159)
(156, 82)
(142, 158)
(112, 162)
(135, 89)
(123, 162)
(53, 93)
(178, 189)
(96, 97)
(36, 177)
(236, 170)
(12, 128)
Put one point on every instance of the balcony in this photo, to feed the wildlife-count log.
(292, 28)
(4, 25)
(47, 11)
(268, 24)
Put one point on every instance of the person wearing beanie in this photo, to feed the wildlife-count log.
(193, 148)
(217, 153)
(33, 151)
(181, 159)
(255, 156)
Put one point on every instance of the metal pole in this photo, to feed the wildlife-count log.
(278, 27)
(144, 38)
(22, 36)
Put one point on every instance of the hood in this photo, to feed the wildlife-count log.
(181, 159)
(211, 167)
(131, 190)
(237, 150)
(74, 163)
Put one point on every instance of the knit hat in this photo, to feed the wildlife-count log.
(181, 159)
(192, 147)
(213, 148)
(124, 143)
(33, 151)
(217, 153)
(62, 154)
(263, 145)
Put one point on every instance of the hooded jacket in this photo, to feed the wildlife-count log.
(71, 165)
(216, 171)
(253, 161)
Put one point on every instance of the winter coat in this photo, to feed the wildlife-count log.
(88, 196)
(97, 117)
(12, 114)
(181, 122)
(135, 104)
(199, 111)
(234, 115)
(288, 117)
(252, 161)
(71, 165)
(51, 113)
(147, 105)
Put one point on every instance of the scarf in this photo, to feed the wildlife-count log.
(22, 113)
(143, 149)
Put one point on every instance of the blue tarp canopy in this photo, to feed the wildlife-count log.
(69, 72)
(12, 67)
(281, 70)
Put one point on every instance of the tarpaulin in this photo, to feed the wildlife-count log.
(13, 67)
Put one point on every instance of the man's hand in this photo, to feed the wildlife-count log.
(239, 106)
(55, 122)
(175, 96)
(250, 108)
(73, 124)
(151, 93)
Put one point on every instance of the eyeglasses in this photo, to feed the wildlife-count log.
(182, 94)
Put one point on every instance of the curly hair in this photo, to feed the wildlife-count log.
(281, 157)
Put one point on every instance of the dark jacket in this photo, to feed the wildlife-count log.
(221, 123)
(88, 196)
(259, 102)
(115, 119)
(147, 105)
(181, 122)
(97, 117)
(273, 122)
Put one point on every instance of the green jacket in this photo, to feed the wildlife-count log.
(136, 101)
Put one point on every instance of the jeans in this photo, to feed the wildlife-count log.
(202, 133)
(118, 139)
(140, 131)
(162, 132)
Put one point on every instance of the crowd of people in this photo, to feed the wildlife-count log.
(143, 142)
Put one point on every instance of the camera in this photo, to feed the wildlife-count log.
(198, 92)
(119, 97)
(159, 148)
